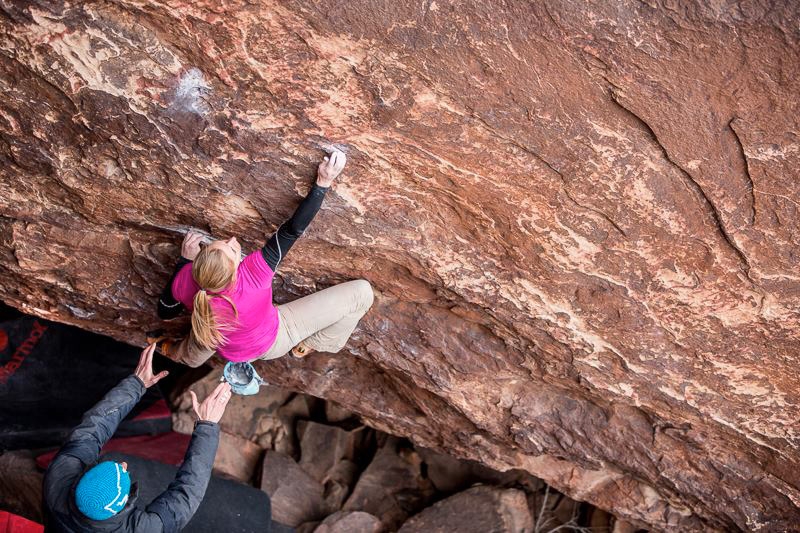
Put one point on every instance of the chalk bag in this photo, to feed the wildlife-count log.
(243, 378)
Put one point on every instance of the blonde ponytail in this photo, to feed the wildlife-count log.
(213, 271)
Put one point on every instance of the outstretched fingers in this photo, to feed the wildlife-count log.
(146, 359)
(214, 405)
(195, 405)
(147, 354)
(222, 392)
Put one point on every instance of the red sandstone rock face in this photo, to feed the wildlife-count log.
(581, 217)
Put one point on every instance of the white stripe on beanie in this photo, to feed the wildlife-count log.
(119, 493)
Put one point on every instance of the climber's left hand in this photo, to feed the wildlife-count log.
(191, 245)
(144, 370)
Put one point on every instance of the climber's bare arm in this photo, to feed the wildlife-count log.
(291, 230)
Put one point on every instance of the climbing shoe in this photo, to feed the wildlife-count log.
(164, 345)
(301, 351)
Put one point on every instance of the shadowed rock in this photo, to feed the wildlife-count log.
(21, 485)
(350, 522)
(476, 510)
(392, 487)
(236, 457)
(450, 474)
(296, 497)
(322, 447)
(335, 413)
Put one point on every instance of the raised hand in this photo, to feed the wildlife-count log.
(144, 370)
(191, 245)
(330, 168)
(213, 407)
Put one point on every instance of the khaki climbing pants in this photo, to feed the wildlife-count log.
(190, 353)
(324, 320)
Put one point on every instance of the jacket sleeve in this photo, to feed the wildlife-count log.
(100, 422)
(291, 230)
(178, 503)
(85, 441)
(168, 306)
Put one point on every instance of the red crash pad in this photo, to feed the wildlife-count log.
(11, 523)
(167, 448)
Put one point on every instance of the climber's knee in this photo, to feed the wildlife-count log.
(364, 294)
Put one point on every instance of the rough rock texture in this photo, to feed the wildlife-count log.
(476, 510)
(322, 447)
(350, 522)
(236, 457)
(295, 496)
(393, 486)
(21, 485)
(449, 475)
(581, 216)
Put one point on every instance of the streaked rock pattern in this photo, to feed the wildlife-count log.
(581, 217)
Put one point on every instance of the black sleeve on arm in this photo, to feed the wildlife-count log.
(168, 306)
(292, 229)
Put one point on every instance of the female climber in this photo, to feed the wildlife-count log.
(230, 298)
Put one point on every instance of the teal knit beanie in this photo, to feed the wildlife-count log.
(103, 491)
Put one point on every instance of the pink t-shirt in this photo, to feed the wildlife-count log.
(257, 324)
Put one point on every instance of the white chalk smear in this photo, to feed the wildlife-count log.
(191, 91)
(79, 313)
(183, 230)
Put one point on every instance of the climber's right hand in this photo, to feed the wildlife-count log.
(330, 168)
(213, 407)
(191, 245)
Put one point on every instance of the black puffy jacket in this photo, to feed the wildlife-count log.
(169, 512)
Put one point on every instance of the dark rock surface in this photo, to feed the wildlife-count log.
(236, 458)
(329, 455)
(21, 485)
(449, 474)
(392, 487)
(323, 447)
(350, 522)
(581, 217)
(296, 497)
(476, 510)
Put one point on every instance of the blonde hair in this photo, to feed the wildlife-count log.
(213, 271)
